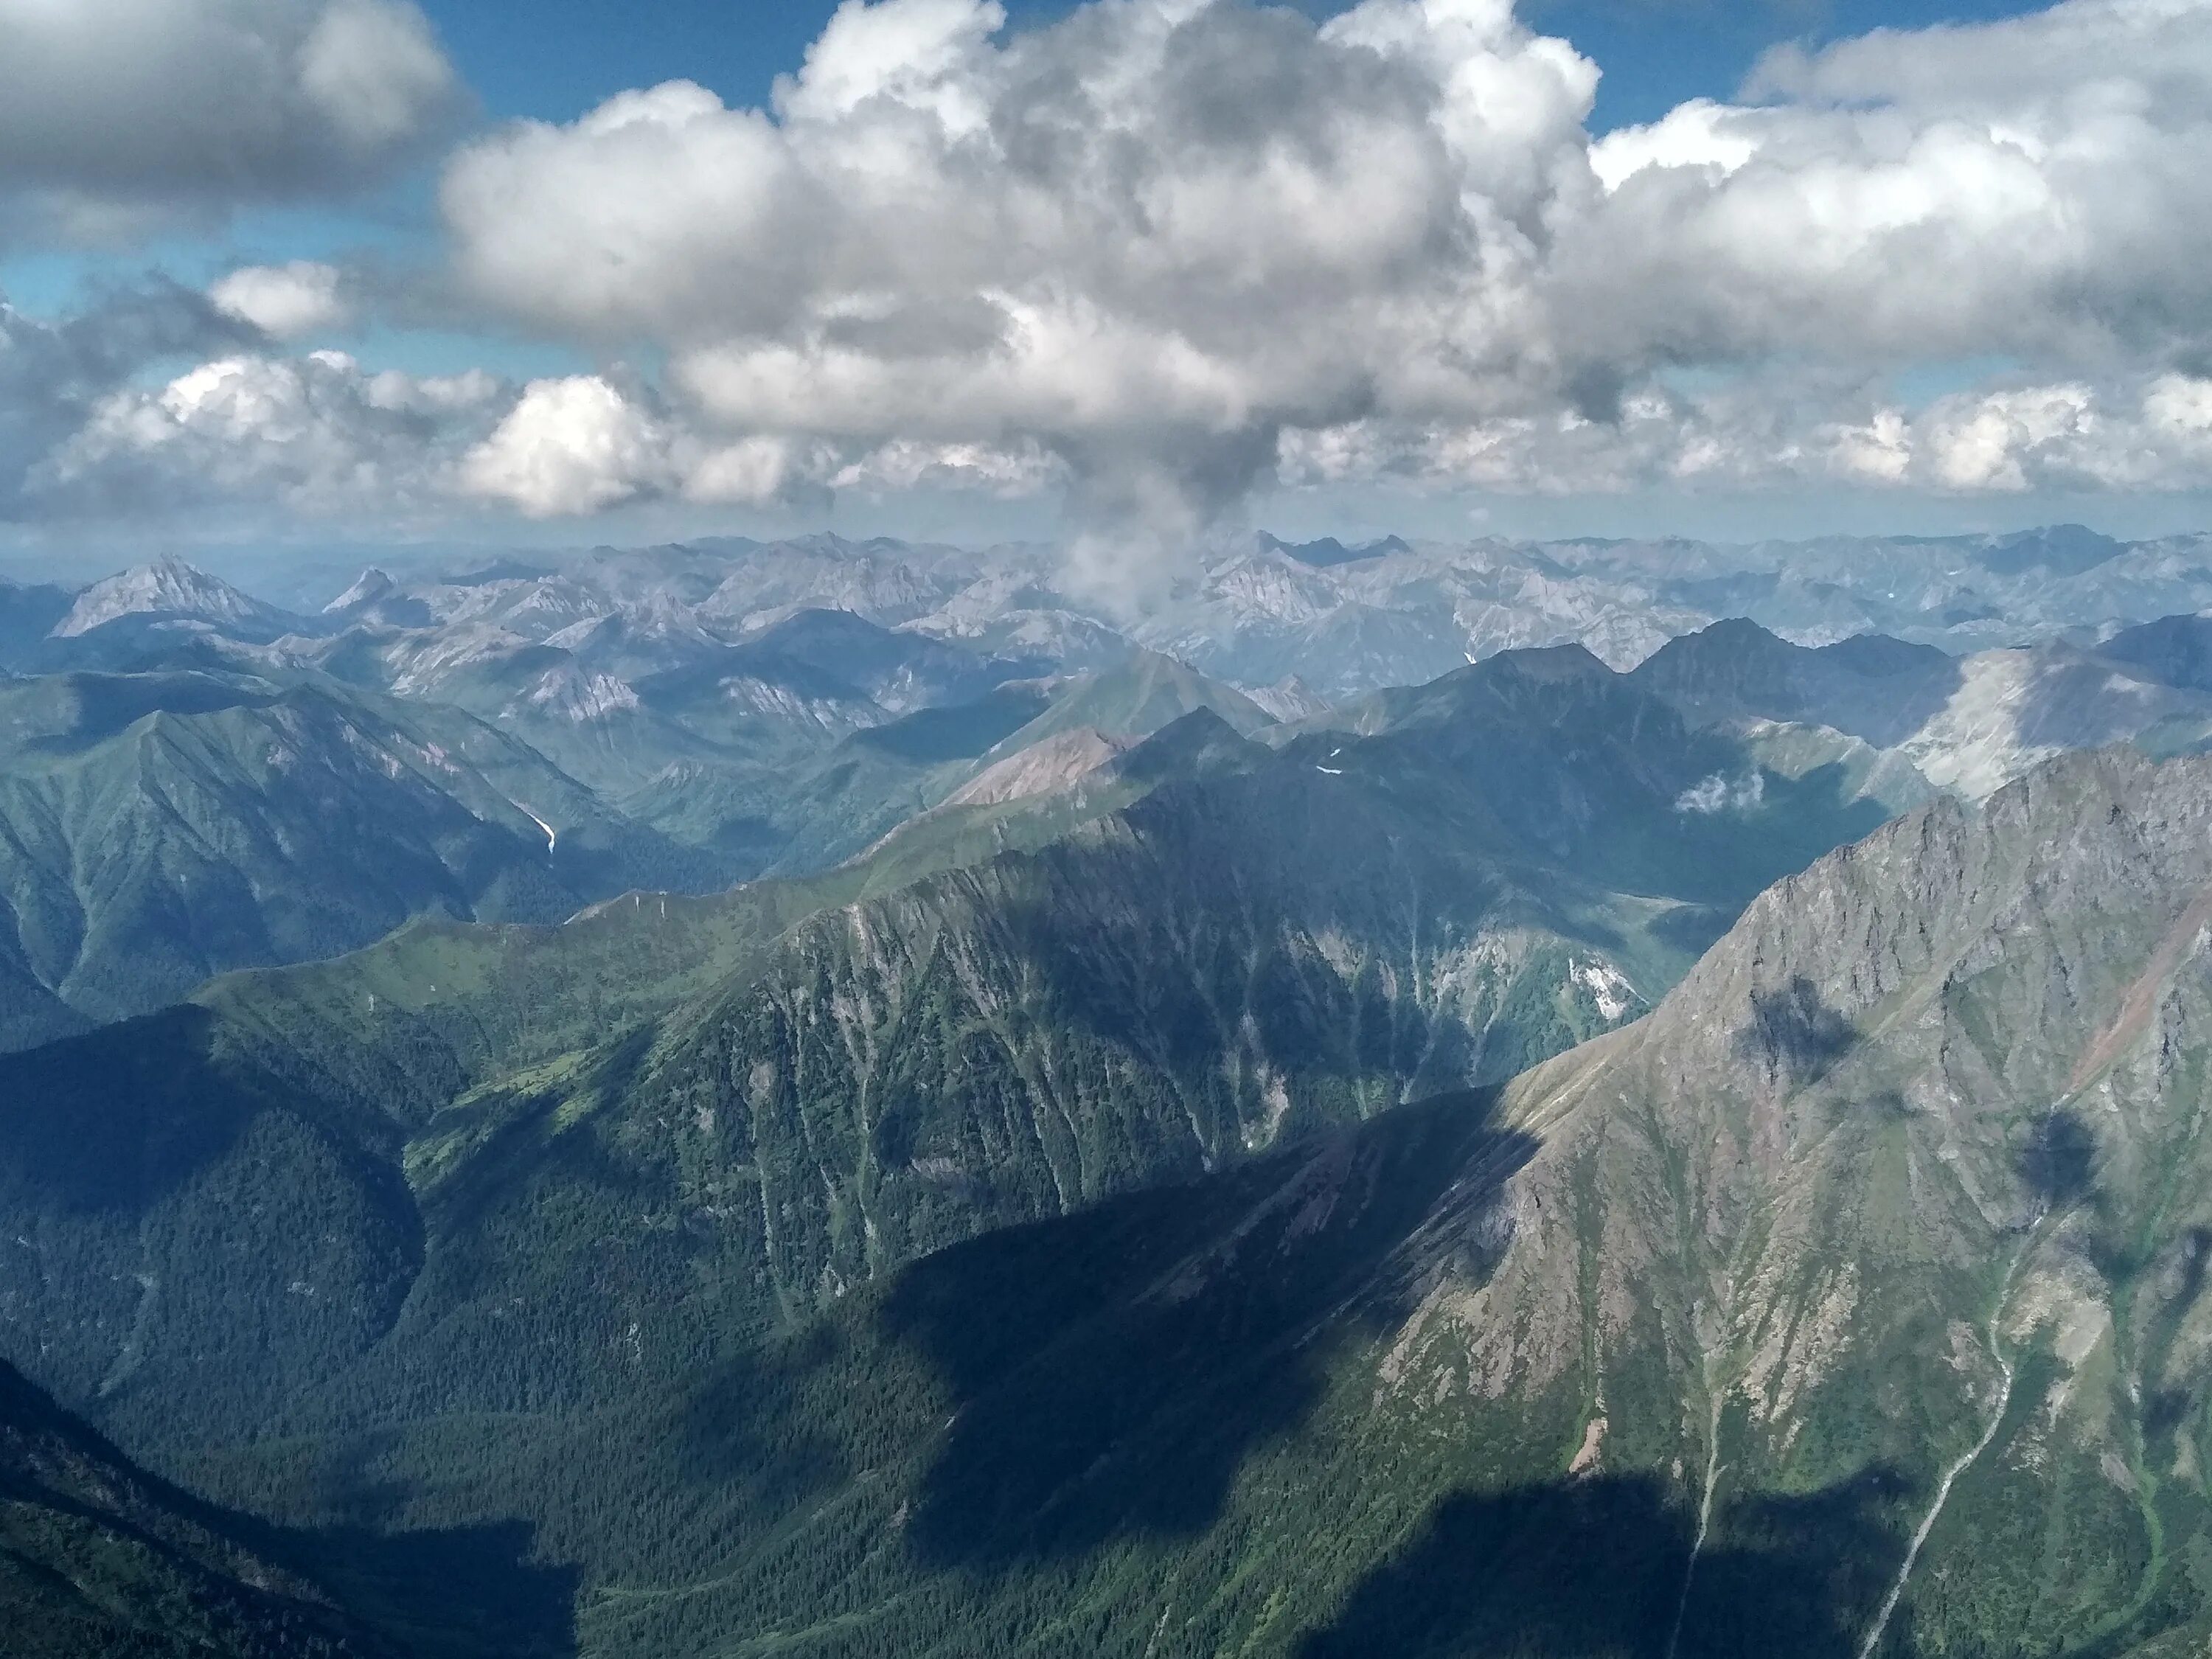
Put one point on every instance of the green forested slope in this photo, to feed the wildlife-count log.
(800, 813)
(1665, 1348)
(98, 1558)
(461, 1256)
(158, 828)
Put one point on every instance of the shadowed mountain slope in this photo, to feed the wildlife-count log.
(1849, 1302)
(98, 1557)
(155, 829)
(1871, 687)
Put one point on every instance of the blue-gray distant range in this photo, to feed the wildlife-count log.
(198, 778)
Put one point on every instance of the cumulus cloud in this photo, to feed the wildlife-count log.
(1024, 469)
(571, 446)
(284, 301)
(2142, 433)
(313, 434)
(576, 445)
(2032, 187)
(1167, 243)
(1160, 251)
(54, 374)
(119, 116)
(1140, 240)
(320, 435)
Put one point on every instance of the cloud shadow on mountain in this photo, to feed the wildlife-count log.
(2057, 1164)
(1795, 1034)
(105, 1125)
(1597, 1565)
(472, 1592)
(1117, 1368)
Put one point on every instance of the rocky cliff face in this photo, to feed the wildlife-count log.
(1908, 1175)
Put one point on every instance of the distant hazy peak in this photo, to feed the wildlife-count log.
(2064, 550)
(371, 585)
(1570, 661)
(1742, 639)
(2177, 649)
(168, 586)
(1289, 700)
(1329, 550)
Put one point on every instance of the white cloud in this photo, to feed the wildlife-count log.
(319, 435)
(1027, 469)
(53, 375)
(1141, 239)
(571, 446)
(374, 71)
(284, 301)
(313, 434)
(2142, 433)
(1165, 241)
(2032, 188)
(1161, 249)
(120, 116)
(1717, 793)
(749, 473)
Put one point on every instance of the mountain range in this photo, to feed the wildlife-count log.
(1870, 1245)
(838, 1099)
(678, 718)
(1250, 611)
(156, 827)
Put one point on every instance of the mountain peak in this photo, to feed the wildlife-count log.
(167, 588)
(371, 585)
(1289, 699)
(2062, 549)
(1327, 550)
(2177, 649)
(1571, 661)
(1736, 632)
(1869, 686)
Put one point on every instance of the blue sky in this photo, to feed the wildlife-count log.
(1656, 52)
(1914, 279)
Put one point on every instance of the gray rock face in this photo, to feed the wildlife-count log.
(170, 590)
(1968, 725)
(1930, 1119)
